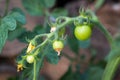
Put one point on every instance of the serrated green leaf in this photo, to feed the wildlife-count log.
(34, 7)
(18, 15)
(7, 23)
(10, 22)
(3, 35)
(51, 56)
(59, 12)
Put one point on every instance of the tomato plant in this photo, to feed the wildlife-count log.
(49, 38)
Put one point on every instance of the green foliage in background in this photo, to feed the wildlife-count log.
(9, 23)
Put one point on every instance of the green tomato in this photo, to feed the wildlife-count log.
(58, 45)
(82, 32)
(30, 59)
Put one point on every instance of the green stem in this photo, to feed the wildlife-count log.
(34, 76)
(111, 68)
(68, 20)
(6, 7)
(39, 64)
(63, 24)
(39, 36)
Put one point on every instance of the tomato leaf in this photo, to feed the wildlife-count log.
(34, 7)
(51, 56)
(9, 22)
(18, 15)
(59, 12)
(48, 3)
(3, 35)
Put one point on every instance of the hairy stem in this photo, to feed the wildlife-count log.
(68, 21)
(34, 76)
(111, 68)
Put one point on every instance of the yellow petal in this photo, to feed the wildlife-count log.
(30, 48)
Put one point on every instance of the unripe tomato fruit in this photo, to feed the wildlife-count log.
(82, 32)
(58, 46)
(30, 59)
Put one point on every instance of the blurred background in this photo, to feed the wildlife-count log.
(91, 55)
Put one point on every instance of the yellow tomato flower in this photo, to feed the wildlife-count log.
(30, 48)
(19, 67)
